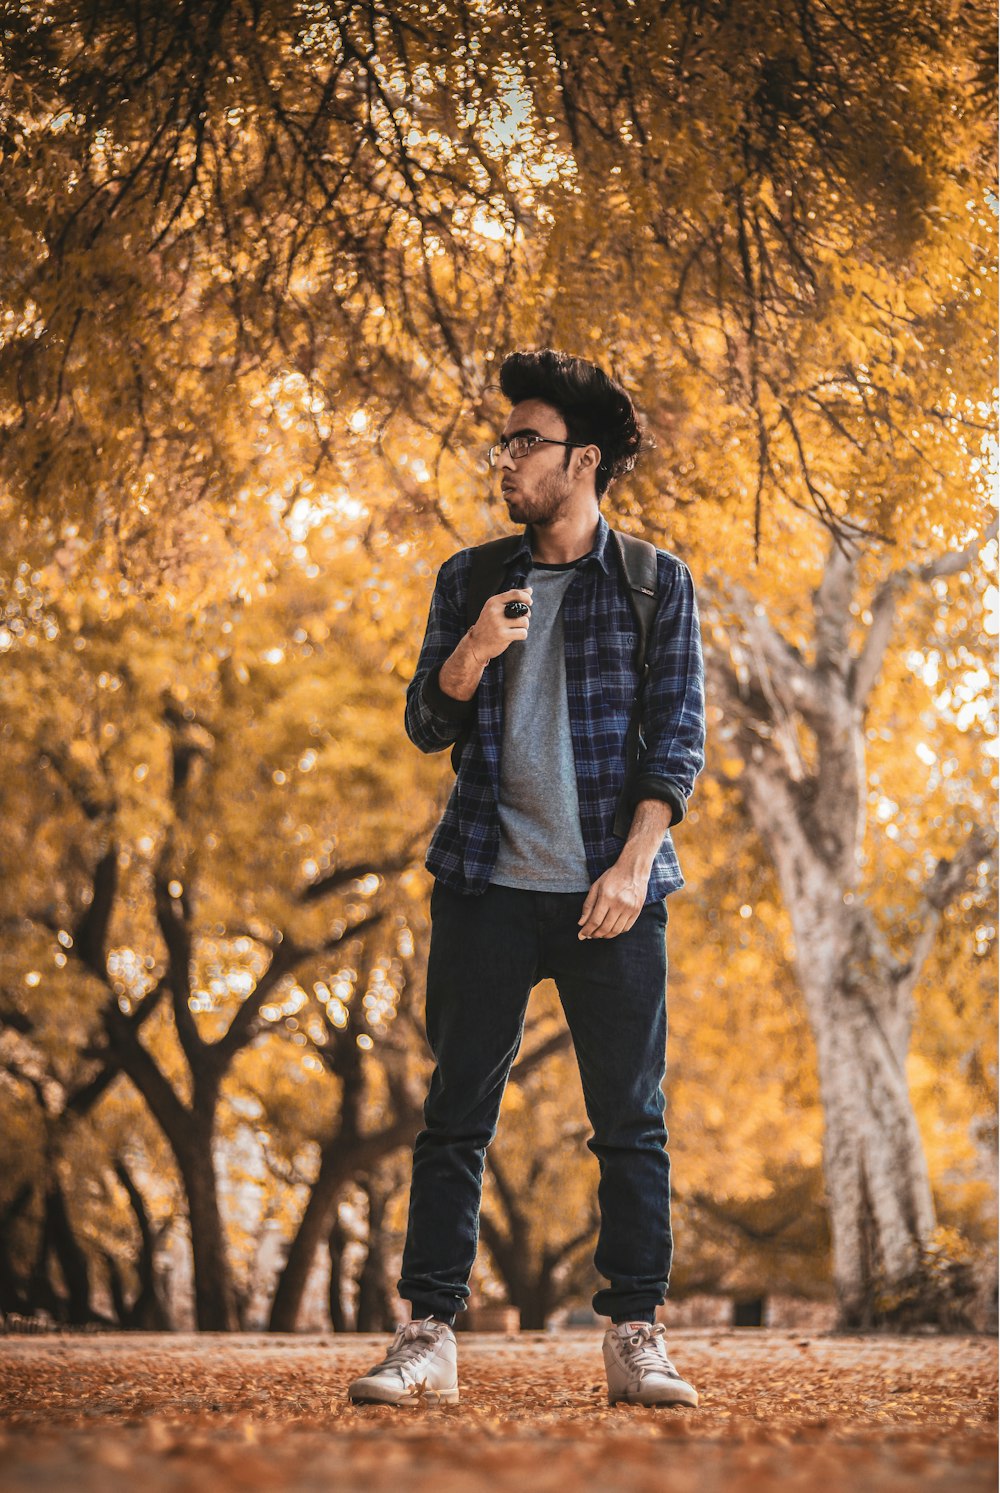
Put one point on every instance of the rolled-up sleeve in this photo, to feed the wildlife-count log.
(674, 704)
(434, 720)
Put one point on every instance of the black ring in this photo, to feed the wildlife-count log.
(516, 609)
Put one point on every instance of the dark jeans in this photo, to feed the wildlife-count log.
(486, 953)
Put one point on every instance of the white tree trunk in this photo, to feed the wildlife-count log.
(859, 995)
(881, 1208)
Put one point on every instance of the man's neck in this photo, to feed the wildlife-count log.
(565, 539)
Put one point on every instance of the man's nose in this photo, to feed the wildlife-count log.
(505, 456)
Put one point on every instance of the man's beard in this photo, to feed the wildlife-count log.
(545, 505)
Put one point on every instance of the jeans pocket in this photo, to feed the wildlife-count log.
(657, 911)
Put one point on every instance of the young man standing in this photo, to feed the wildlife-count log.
(531, 879)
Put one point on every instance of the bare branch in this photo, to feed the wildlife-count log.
(173, 920)
(883, 607)
(946, 881)
(287, 957)
(832, 600)
(539, 1055)
(506, 1191)
(138, 1064)
(336, 880)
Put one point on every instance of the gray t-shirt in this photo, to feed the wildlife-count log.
(541, 844)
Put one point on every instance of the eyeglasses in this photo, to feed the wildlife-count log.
(520, 445)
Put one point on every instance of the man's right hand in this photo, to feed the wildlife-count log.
(494, 633)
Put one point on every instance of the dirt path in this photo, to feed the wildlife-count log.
(820, 1415)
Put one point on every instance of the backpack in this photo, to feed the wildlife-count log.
(637, 558)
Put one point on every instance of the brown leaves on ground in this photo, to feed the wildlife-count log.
(219, 1413)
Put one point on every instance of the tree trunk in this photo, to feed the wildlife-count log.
(189, 1130)
(881, 1209)
(528, 1284)
(344, 1156)
(13, 1297)
(317, 1221)
(215, 1305)
(374, 1310)
(859, 1003)
(72, 1260)
(147, 1312)
(335, 1245)
(858, 993)
(533, 1298)
(117, 1288)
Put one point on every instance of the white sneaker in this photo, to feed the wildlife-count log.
(420, 1368)
(639, 1371)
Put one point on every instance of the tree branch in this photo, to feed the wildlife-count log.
(287, 957)
(344, 875)
(790, 675)
(945, 883)
(883, 607)
(91, 932)
(527, 1064)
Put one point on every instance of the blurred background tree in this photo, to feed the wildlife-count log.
(261, 263)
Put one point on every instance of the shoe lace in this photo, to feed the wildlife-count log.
(645, 1350)
(410, 1344)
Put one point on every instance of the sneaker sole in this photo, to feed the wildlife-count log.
(409, 1402)
(687, 1399)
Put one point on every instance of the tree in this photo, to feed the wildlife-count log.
(798, 725)
(351, 1148)
(78, 1188)
(174, 1019)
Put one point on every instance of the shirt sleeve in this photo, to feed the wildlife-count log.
(674, 713)
(434, 720)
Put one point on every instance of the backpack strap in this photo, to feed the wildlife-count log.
(638, 563)
(489, 561)
(486, 572)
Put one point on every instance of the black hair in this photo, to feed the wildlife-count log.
(595, 407)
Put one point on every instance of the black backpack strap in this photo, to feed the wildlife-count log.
(489, 561)
(638, 563)
(486, 573)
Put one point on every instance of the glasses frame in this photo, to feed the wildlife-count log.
(495, 452)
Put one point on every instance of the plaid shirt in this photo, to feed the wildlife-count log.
(601, 681)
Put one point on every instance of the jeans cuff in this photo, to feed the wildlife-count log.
(421, 1309)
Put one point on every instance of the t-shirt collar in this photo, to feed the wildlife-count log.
(598, 553)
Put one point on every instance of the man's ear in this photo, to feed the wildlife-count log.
(589, 459)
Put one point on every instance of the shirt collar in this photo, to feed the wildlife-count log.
(599, 553)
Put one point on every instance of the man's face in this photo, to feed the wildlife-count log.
(537, 488)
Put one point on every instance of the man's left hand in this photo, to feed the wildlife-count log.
(614, 902)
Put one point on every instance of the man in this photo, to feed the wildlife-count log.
(531, 880)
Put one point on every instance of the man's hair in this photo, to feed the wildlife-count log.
(595, 407)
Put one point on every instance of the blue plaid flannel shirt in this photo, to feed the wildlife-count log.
(601, 681)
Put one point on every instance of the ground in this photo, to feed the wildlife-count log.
(778, 1410)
